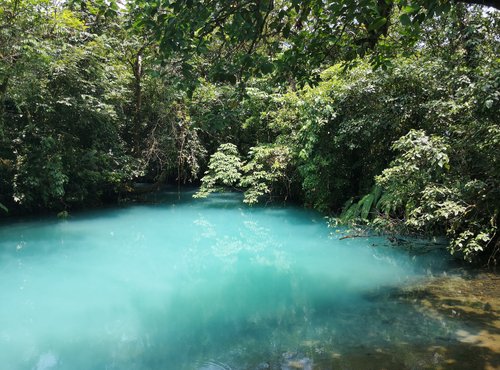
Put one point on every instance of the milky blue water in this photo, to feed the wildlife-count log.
(201, 284)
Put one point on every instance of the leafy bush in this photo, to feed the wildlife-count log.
(265, 173)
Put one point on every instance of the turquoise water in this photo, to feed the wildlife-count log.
(201, 284)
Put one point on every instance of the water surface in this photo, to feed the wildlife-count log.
(205, 284)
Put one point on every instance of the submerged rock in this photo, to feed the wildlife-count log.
(295, 362)
(263, 366)
(473, 304)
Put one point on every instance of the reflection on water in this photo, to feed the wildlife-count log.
(185, 284)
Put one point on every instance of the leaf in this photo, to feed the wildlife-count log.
(351, 213)
(411, 9)
(366, 205)
(405, 20)
(266, 67)
(347, 204)
(377, 23)
(3, 208)
(377, 192)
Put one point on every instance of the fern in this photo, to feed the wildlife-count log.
(350, 213)
(347, 204)
(377, 193)
(365, 205)
(387, 203)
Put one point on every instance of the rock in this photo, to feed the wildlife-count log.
(295, 362)
(437, 358)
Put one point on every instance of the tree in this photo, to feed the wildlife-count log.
(266, 173)
(62, 104)
(293, 38)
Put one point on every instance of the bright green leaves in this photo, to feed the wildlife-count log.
(64, 90)
(422, 160)
(442, 175)
(89, 104)
(40, 176)
(65, 18)
(433, 194)
(224, 170)
(296, 37)
(411, 8)
(426, 153)
(265, 173)
(363, 209)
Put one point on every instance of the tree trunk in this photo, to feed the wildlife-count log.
(138, 72)
(3, 92)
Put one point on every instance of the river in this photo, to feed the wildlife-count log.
(213, 284)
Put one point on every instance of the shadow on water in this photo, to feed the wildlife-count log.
(170, 196)
(231, 200)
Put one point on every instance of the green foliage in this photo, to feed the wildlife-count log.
(444, 180)
(39, 179)
(265, 173)
(224, 169)
(224, 113)
(423, 160)
(341, 131)
(288, 38)
(167, 138)
(439, 195)
(362, 210)
(61, 99)
(436, 111)
(95, 96)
